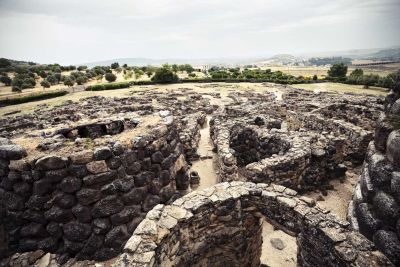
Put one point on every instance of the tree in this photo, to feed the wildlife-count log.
(6, 80)
(114, 65)
(80, 68)
(338, 70)
(45, 84)
(315, 77)
(110, 77)
(68, 81)
(81, 79)
(369, 80)
(52, 79)
(4, 63)
(164, 75)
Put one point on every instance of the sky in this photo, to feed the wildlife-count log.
(76, 31)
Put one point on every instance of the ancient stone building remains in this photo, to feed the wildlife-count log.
(375, 209)
(108, 178)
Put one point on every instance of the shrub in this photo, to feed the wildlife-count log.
(45, 84)
(115, 65)
(68, 81)
(30, 98)
(164, 75)
(6, 80)
(110, 77)
(338, 70)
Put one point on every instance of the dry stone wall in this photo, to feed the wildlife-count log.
(220, 226)
(87, 204)
(375, 209)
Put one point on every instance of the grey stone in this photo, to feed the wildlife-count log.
(51, 162)
(70, 184)
(102, 153)
(277, 243)
(76, 231)
(107, 206)
(116, 237)
(88, 196)
(389, 244)
(12, 152)
(393, 148)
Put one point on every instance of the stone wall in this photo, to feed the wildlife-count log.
(219, 226)
(87, 204)
(375, 209)
(356, 137)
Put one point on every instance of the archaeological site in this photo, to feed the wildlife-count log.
(192, 175)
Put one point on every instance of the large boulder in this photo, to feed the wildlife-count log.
(382, 131)
(389, 244)
(393, 148)
(367, 222)
(386, 207)
(380, 170)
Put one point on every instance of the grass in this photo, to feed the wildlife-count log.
(342, 88)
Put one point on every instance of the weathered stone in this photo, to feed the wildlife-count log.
(51, 162)
(107, 206)
(101, 225)
(125, 215)
(12, 152)
(102, 153)
(389, 244)
(33, 230)
(277, 243)
(96, 167)
(100, 178)
(82, 213)
(70, 184)
(393, 148)
(386, 207)
(82, 157)
(116, 237)
(58, 215)
(87, 196)
(76, 231)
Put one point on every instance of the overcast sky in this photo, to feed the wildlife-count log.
(75, 31)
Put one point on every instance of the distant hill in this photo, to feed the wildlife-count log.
(158, 62)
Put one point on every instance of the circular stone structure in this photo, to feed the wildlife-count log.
(220, 226)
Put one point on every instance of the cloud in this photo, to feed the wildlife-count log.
(73, 31)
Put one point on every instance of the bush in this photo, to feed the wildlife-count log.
(164, 75)
(30, 98)
(338, 70)
(110, 77)
(115, 65)
(6, 80)
(315, 77)
(45, 84)
(68, 81)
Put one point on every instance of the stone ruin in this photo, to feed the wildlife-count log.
(375, 210)
(107, 180)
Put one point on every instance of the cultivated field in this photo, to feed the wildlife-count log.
(321, 71)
